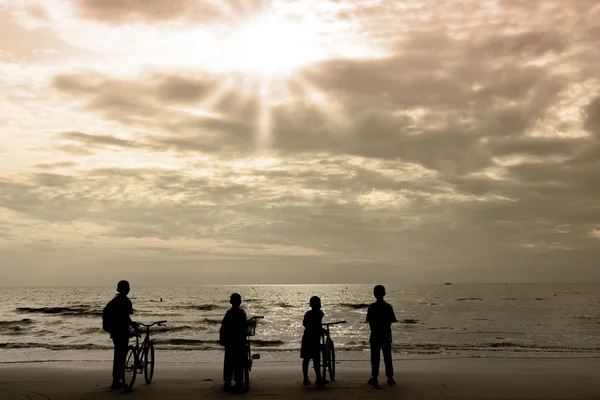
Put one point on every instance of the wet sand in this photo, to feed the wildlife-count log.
(516, 379)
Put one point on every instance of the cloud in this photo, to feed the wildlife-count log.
(469, 150)
(592, 117)
(95, 140)
(132, 10)
(160, 11)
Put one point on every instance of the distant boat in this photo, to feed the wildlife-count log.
(448, 283)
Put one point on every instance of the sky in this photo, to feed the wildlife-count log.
(182, 142)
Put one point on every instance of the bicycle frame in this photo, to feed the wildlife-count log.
(250, 331)
(327, 349)
(143, 348)
(251, 323)
(139, 354)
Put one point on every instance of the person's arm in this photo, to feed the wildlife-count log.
(225, 321)
(304, 320)
(130, 312)
(392, 315)
(223, 331)
(369, 313)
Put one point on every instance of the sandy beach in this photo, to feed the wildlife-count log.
(417, 379)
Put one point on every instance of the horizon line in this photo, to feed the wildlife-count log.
(314, 284)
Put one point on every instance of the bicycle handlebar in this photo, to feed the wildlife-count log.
(333, 323)
(256, 317)
(159, 323)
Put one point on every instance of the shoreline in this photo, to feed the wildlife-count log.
(417, 379)
(211, 357)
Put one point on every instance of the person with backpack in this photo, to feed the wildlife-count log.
(116, 320)
(232, 336)
(380, 317)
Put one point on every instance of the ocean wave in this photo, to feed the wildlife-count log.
(74, 311)
(8, 324)
(200, 307)
(470, 299)
(167, 329)
(211, 321)
(181, 344)
(283, 305)
(92, 331)
(490, 346)
(13, 331)
(185, 342)
(355, 306)
(43, 333)
(409, 321)
(358, 343)
(207, 343)
(50, 346)
(15, 328)
(267, 343)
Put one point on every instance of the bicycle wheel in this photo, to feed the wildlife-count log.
(246, 378)
(331, 362)
(149, 362)
(131, 364)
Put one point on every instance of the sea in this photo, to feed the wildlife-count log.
(51, 324)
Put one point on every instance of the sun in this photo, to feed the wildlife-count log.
(262, 57)
(272, 46)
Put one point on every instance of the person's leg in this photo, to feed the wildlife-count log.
(317, 366)
(121, 343)
(305, 363)
(239, 362)
(238, 373)
(375, 346)
(386, 348)
(227, 367)
(116, 357)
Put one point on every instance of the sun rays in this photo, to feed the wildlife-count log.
(256, 51)
(260, 56)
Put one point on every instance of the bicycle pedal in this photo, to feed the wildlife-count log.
(256, 356)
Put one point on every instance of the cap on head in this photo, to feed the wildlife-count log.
(123, 286)
(315, 301)
(235, 299)
(379, 291)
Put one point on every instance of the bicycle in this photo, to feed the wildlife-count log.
(140, 359)
(328, 351)
(250, 331)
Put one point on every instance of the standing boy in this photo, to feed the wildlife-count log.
(233, 337)
(380, 317)
(116, 320)
(311, 341)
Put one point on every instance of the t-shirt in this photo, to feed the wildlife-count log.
(121, 309)
(233, 327)
(312, 324)
(380, 317)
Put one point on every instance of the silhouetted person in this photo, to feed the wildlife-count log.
(380, 317)
(311, 341)
(233, 337)
(118, 322)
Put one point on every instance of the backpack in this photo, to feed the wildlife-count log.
(108, 317)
